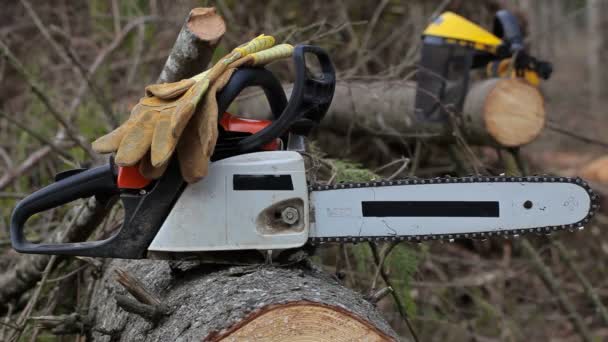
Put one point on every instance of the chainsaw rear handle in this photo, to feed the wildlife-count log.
(145, 212)
(99, 181)
(309, 101)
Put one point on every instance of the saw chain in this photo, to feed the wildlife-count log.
(547, 230)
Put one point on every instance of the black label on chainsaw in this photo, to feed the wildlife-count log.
(430, 209)
(262, 182)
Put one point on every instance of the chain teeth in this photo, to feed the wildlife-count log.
(514, 233)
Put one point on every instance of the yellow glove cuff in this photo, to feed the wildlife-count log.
(272, 54)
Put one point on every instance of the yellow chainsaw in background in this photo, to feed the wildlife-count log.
(452, 46)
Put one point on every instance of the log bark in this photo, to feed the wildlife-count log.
(502, 112)
(260, 302)
(194, 45)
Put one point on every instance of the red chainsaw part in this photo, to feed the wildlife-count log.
(129, 177)
(232, 123)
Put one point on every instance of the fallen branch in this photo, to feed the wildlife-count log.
(553, 285)
(593, 295)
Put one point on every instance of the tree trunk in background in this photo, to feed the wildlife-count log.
(596, 12)
(503, 112)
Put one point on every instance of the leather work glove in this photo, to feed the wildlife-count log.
(183, 114)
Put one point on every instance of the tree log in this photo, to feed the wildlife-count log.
(194, 45)
(236, 304)
(506, 112)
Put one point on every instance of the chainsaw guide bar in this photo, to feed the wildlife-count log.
(546, 230)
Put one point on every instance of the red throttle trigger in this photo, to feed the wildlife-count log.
(232, 123)
(129, 177)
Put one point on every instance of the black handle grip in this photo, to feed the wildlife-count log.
(145, 213)
(97, 181)
(309, 101)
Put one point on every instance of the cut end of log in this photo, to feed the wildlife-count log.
(513, 112)
(302, 321)
(596, 171)
(206, 24)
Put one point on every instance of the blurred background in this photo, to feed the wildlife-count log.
(91, 60)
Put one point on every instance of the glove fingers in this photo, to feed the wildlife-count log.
(192, 162)
(150, 172)
(110, 142)
(163, 141)
(258, 43)
(137, 140)
(185, 109)
(223, 80)
(247, 60)
(270, 55)
(167, 91)
(207, 119)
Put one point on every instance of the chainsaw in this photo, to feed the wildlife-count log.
(257, 197)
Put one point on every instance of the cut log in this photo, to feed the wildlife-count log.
(505, 112)
(508, 111)
(194, 45)
(253, 303)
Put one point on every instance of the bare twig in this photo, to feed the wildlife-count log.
(589, 290)
(379, 266)
(387, 281)
(553, 285)
(40, 93)
(101, 57)
(136, 288)
(378, 295)
(25, 314)
(400, 170)
(25, 166)
(416, 162)
(152, 313)
(147, 304)
(59, 150)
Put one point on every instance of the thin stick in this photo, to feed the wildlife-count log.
(416, 161)
(26, 313)
(595, 298)
(553, 285)
(396, 298)
(36, 135)
(383, 255)
(402, 168)
(39, 92)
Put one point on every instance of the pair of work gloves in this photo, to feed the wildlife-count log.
(182, 116)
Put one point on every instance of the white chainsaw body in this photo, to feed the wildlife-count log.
(239, 206)
(262, 201)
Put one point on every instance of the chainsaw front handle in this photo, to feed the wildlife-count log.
(309, 101)
(145, 212)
